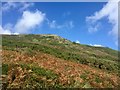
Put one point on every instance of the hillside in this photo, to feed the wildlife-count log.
(40, 61)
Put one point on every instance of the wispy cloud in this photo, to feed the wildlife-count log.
(94, 27)
(9, 5)
(109, 11)
(26, 6)
(66, 25)
(54, 25)
(70, 24)
(30, 20)
(65, 14)
(13, 5)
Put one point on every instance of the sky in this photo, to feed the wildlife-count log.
(91, 23)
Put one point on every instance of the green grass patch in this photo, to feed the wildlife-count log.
(83, 76)
(40, 71)
(4, 69)
(98, 80)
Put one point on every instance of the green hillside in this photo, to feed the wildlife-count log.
(52, 61)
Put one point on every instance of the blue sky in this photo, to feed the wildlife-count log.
(84, 22)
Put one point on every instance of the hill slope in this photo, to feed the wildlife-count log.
(37, 61)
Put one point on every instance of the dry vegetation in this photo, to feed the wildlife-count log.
(37, 65)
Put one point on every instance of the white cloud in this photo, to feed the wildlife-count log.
(4, 31)
(109, 11)
(77, 41)
(7, 31)
(15, 33)
(29, 21)
(97, 45)
(20, 5)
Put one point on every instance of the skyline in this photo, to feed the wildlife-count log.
(91, 23)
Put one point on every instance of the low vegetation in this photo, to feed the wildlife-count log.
(51, 61)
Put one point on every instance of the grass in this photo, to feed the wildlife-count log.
(61, 49)
(107, 60)
(35, 69)
(39, 71)
(87, 85)
(38, 78)
(83, 76)
(4, 69)
(98, 80)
